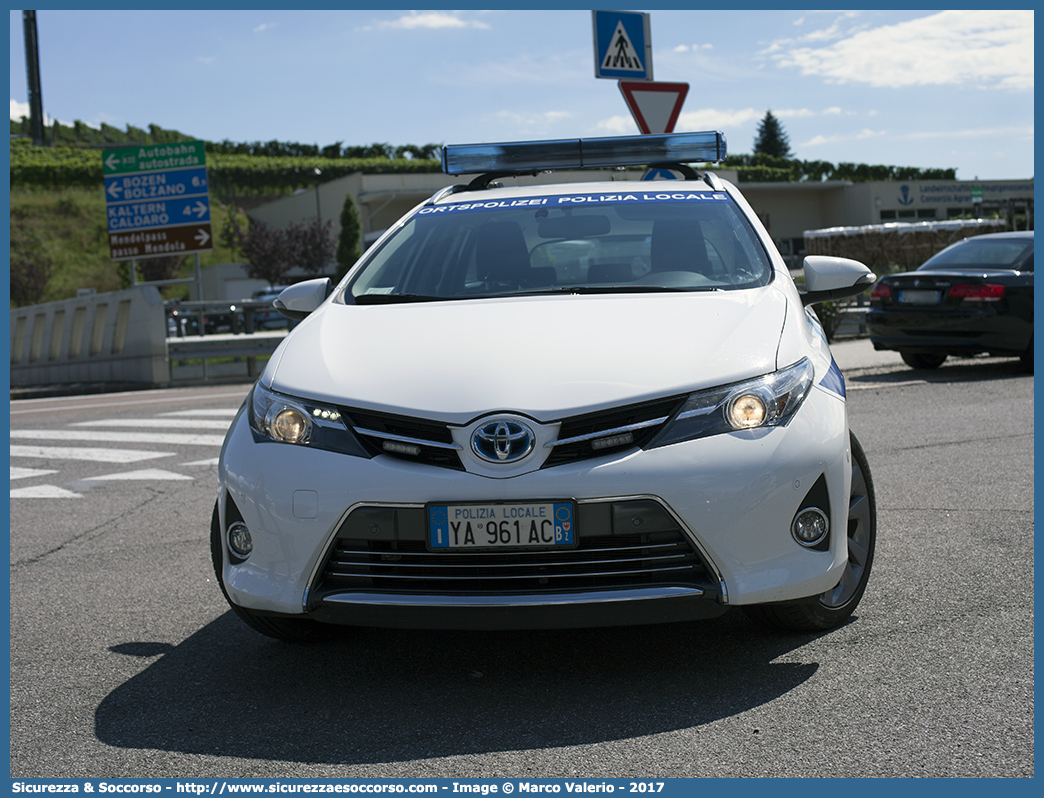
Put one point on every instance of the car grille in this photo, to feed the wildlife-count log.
(660, 557)
(433, 439)
(579, 437)
(584, 437)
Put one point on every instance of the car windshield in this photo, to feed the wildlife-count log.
(574, 243)
(977, 253)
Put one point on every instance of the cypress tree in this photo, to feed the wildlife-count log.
(771, 139)
(348, 244)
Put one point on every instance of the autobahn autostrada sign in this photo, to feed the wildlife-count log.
(157, 200)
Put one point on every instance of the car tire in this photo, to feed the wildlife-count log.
(832, 608)
(1027, 358)
(290, 630)
(920, 360)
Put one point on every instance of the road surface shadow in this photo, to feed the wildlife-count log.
(393, 695)
(969, 369)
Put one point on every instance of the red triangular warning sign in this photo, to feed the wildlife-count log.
(654, 106)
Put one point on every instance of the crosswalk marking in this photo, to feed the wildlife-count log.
(145, 473)
(220, 411)
(155, 423)
(176, 439)
(209, 462)
(44, 492)
(25, 473)
(177, 428)
(86, 453)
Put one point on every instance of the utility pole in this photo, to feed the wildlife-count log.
(32, 70)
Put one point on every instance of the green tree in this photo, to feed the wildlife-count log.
(31, 267)
(310, 245)
(165, 268)
(771, 138)
(348, 244)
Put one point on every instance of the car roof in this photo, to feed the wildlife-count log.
(1008, 234)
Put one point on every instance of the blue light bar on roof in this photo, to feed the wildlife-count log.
(539, 156)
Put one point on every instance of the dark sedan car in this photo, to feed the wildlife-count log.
(975, 296)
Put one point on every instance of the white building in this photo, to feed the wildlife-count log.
(787, 209)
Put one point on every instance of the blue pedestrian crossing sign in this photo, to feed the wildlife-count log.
(622, 44)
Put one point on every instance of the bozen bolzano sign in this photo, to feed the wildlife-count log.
(157, 200)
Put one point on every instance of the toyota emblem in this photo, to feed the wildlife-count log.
(502, 440)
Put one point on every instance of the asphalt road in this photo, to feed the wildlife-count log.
(125, 661)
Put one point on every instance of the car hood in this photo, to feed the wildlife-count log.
(543, 356)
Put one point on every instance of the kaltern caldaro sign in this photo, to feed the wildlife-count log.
(157, 200)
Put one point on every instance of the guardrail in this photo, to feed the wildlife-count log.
(132, 337)
(220, 358)
(118, 337)
(209, 316)
(210, 341)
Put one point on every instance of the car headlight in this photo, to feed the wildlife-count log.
(287, 419)
(768, 401)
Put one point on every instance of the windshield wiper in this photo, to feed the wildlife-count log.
(393, 298)
(601, 289)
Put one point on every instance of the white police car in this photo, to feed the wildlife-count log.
(564, 405)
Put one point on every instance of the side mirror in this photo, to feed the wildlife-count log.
(827, 277)
(300, 299)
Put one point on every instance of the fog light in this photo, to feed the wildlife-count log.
(810, 526)
(239, 540)
(401, 448)
(614, 440)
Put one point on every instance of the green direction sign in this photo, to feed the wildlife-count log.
(976, 194)
(153, 157)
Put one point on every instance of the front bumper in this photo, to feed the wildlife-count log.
(341, 538)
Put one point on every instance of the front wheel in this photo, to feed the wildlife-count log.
(290, 630)
(922, 360)
(831, 608)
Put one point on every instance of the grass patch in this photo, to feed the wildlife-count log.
(70, 225)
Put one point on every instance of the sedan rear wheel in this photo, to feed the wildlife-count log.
(921, 360)
(1027, 358)
(831, 608)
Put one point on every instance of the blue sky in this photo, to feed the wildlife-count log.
(930, 88)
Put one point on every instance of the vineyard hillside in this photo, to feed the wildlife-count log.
(61, 236)
(58, 220)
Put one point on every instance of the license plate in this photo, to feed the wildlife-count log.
(502, 525)
(920, 297)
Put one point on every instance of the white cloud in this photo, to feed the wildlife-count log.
(859, 135)
(617, 126)
(987, 49)
(18, 110)
(433, 20)
(1006, 133)
(521, 125)
(717, 119)
(1000, 133)
(685, 48)
(263, 27)
(530, 120)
